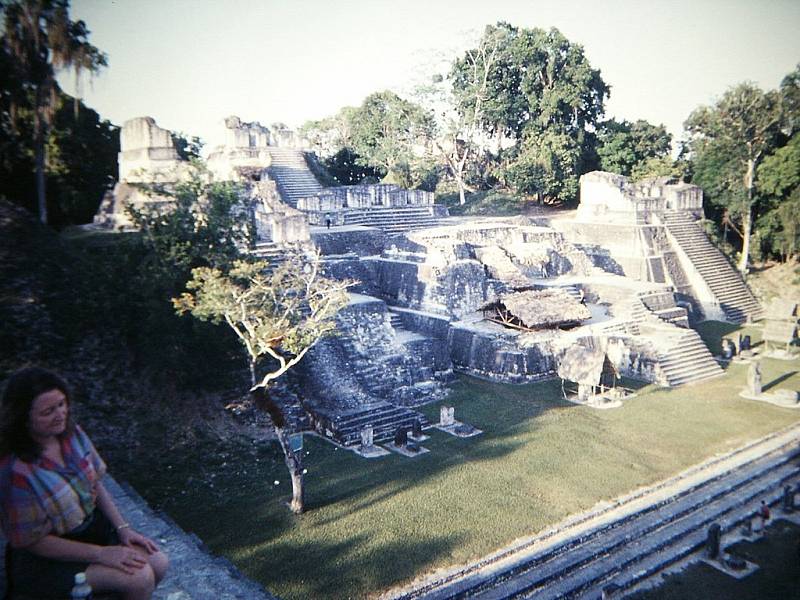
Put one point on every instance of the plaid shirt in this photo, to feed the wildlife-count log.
(42, 497)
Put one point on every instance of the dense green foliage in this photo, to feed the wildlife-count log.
(744, 156)
(626, 148)
(81, 148)
(387, 136)
(40, 39)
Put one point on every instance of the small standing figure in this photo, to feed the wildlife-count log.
(763, 512)
(754, 378)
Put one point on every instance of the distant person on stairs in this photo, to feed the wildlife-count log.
(56, 514)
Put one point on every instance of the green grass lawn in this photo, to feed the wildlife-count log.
(373, 524)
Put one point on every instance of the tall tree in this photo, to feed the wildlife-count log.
(779, 178)
(40, 39)
(541, 91)
(460, 98)
(277, 315)
(738, 132)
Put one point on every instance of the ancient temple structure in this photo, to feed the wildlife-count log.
(504, 299)
(650, 231)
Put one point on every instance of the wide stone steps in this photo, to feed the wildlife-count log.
(385, 420)
(395, 320)
(290, 171)
(635, 546)
(688, 361)
(735, 299)
(394, 219)
(685, 530)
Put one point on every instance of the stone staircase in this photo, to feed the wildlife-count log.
(392, 219)
(618, 545)
(290, 171)
(687, 361)
(733, 295)
(395, 320)
(345, 428)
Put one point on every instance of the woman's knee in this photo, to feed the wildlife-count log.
(142, 580)
(159, 562)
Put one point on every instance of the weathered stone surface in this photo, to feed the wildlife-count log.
(361, 241)
(147, 153)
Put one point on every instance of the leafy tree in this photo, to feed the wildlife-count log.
(779, 178)
(790, 103)
(40, 39)
(277, 315)
(543, 96)
(539, 79)
(736, 133)
(545, 166)
(623, 147)
(81, 152)
(460, 99)
(187, 147)
(347, 167)
(390, 134)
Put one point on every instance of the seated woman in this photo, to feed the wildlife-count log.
(56, 514)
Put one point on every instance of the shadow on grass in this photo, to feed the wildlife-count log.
(778, 380)
(333, 570)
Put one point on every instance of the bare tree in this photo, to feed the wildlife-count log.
(278, 314)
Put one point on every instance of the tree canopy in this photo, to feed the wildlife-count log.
(543, 100)
(39, 40)
(625, 148)
(728, 142)
(387, 135)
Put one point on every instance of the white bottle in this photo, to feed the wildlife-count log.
(81, 590)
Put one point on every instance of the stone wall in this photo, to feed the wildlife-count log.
(611, 198)
(364, 196)
(499, 356)
(369, 361)
(276, 221)
(147, 153)
(356, 240)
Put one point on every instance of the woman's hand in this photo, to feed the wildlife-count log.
(123, 558)
(129, 537)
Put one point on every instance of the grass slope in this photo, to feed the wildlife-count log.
(373, 524)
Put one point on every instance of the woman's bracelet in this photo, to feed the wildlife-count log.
(123, 526)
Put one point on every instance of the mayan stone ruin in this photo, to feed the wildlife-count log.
(613, 287)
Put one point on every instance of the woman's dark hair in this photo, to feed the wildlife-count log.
(22, 388)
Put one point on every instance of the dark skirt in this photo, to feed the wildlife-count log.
(38, 577)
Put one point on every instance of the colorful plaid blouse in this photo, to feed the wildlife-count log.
(43, 497)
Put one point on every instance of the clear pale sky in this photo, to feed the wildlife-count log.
(190, 63)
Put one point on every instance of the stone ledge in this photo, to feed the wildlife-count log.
(194, 574)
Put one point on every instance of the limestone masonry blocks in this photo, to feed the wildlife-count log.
(147, 153)
(611, 198)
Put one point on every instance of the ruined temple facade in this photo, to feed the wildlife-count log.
(631, 267)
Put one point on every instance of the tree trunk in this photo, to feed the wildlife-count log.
(747, 218)
(252, 365)
(39, 157)
(462, 199)
(295, 466)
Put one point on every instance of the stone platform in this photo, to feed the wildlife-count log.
(194, 573)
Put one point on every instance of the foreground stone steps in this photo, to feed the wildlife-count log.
(635, 537)
(735, 298)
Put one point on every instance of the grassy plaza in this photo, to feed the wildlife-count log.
(374, 524)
